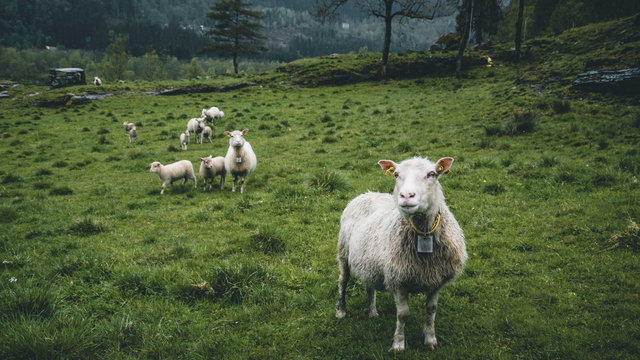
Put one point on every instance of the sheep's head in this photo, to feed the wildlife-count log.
(207, 162)
(236, 138)
(155, 166)
(417, 187)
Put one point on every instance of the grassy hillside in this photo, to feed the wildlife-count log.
(97, 264)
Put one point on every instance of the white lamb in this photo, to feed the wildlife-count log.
(128, 126)
(210, 167)
(240, 160)
(195, 125)
(212, 114)
(182, 169)
(133, 134)
(407, 242)
(97, 81)
(184, 140)
(206, 134)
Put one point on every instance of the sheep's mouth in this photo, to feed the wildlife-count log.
(409, 207)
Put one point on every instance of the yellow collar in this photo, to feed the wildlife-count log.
(436, 223)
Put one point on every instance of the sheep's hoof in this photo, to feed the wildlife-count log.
(341, 314)
(372, 313)
(431, 344)
(397, 346)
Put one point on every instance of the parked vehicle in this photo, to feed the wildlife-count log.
(66, 76)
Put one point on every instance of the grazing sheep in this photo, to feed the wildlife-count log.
(407, 242)
(184, 140)
(133, 134)
(195, 125)
(182, 169)
(206, 133)
(240, 160)
(212, 114)
(128, 126)
(97, 81)
(210, 167)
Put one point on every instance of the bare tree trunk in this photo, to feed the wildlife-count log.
(465, 37)
(518, 39)
(387, 38)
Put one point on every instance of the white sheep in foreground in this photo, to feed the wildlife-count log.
(97, 81)
(206, 133)
(182, 169)
(195, 125)
(210, 167)
(184, 140)
(133, 134)
(240, 160)
(212, 114)
(405, 242)
(128, 126)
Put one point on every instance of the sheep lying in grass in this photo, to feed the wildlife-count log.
(182, 169)
(184, 140)
(128, 126)
(212, 114)
(206, 134)
(240, 160)
(133, 134)
(210, 167)
(407, 242)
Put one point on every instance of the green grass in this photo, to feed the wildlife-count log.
(97, 264)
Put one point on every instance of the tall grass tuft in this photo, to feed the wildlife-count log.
(329, 181)
(86, 227)
(267, 241)
(27, 301)
(61, 190)
(627, 240)
(522, 122)
(236, 283)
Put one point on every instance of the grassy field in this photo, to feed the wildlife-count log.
(97, 264)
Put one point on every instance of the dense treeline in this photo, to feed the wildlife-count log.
(31, 65)
(177, 29)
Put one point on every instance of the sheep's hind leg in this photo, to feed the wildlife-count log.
(371, 302)
(429, 327)
(402, 312)
(343, 279)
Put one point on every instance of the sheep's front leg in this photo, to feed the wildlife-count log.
(343, 279)
(243, 182)
(222, 181)
(235, 182)
(402, 313)
(164, 186)
(371, 302)
(429, 327)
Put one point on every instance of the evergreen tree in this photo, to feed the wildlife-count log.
(236, 31)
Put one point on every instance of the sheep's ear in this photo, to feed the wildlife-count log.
(227, 133)
(388, 166)
(202, 159)
(245, 131)
(443, 165)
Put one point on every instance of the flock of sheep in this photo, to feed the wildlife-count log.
(240, 160)
(405, 242)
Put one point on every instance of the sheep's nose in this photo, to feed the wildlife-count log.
(407, 195)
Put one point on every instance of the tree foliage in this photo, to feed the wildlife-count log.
(388, 11)
(486, 17)
(236, 31)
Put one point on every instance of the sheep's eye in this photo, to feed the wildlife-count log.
(431, 174)
(395, 174)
